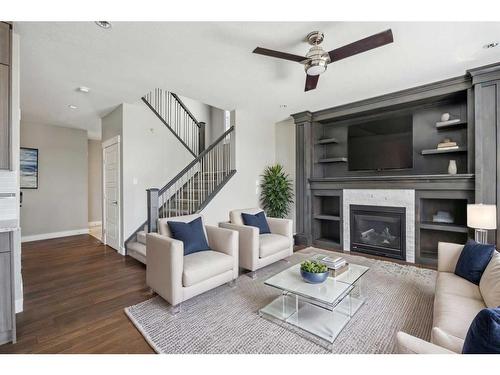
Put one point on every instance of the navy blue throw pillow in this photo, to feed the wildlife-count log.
(257, 220)
(483, 336)
(473, 260)
(191, 234)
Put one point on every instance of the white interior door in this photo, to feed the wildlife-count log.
(111, 196)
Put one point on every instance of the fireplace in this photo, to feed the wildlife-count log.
(378, 230)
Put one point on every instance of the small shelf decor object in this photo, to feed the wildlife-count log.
(443, 151)
(277, 191)
(313, 272)
(29, 168)
(481, 217)
(452, 167)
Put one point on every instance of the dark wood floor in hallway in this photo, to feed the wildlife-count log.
(75, 290)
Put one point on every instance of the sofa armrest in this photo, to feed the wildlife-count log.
(281, 226)
(407, 344)
(164, 266)
(248, 244)
(448, 254)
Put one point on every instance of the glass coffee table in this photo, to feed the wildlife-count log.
(323, 309)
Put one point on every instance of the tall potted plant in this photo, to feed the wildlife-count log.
(276, 194)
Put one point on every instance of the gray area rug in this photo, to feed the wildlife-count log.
(226, 320)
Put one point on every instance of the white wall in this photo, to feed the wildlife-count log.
(285, 154)
(95, 180)
(255, 145)
(60, 204)
(152, 156)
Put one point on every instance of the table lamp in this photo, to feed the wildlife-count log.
(481, 217)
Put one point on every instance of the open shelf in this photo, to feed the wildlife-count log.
(327, 217)
(333, 160)
(455, 125)
(438, 151)
(327, 242)
(444, 227)
(326, 141)
(429, 239)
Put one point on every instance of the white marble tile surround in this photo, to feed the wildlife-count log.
(382, 197)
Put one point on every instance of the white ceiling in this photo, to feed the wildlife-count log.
(212, 62)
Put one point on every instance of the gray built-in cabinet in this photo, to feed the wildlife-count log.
(7, 304)
(322, 171)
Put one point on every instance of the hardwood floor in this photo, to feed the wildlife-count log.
(75, 290)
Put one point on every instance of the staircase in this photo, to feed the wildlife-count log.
(198, 183)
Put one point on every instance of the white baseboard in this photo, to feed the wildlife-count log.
(47, 236)
(95, 223)
(19, 305)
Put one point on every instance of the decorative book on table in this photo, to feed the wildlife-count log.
(333, 263)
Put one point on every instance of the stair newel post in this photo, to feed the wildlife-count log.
(201, 137)
(153, 209)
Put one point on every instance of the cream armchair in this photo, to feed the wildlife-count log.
(176, 277)
(259, 250)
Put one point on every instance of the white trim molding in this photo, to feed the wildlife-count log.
(47, 236)
(94, 223)
(19, 305)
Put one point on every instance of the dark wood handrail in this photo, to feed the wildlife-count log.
(185, 108)
(195, 161)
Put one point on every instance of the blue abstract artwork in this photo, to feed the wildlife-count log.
(29, 168)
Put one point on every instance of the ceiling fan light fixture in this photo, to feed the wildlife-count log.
(316, 70)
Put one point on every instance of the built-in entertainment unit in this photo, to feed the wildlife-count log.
(381, 144)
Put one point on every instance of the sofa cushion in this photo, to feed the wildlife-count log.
(490, 282)
(473, 260)
(483, 336)
(272, 243)
(452, 284)
(235, 215)
(191, 234)
(454, 314)
(203, 265)
(258, 220)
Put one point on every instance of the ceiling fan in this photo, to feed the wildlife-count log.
(316, 60)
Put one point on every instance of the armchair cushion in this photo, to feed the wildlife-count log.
(191, 234)
(258, 220)
(272, 243)
(473, 261)
(203, 265)
(235, 215)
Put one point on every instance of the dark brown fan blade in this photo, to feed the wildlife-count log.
(311, 82)
(279, 55)
(362, 45)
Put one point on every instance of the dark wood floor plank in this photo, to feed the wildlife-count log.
(75, 290)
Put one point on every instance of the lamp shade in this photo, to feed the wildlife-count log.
(482, 216)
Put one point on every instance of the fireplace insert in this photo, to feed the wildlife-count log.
(378, 230)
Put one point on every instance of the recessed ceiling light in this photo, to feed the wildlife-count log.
(83, 89)
(72, 106)
(490, 45)
(103, 24)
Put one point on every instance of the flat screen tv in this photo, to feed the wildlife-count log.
(381, 144)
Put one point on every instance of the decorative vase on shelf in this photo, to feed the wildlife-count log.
(452, 167)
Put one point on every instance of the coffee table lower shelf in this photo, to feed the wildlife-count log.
(312, 318)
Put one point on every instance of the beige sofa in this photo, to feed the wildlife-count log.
(259, 250)
(456, 303)
(176, 277)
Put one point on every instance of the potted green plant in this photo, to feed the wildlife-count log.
(313, 271)
(276, 191)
